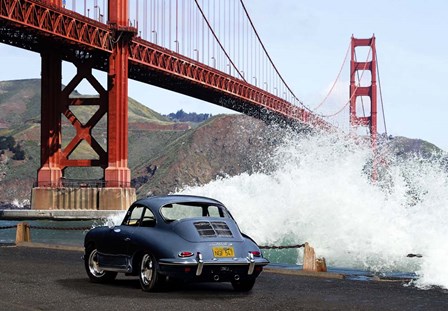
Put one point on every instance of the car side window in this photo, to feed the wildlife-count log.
(133, 219)
(148, 219)
(213, 211)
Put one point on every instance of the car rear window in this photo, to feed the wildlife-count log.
(179, 211)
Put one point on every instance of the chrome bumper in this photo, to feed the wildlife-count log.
(199, 262)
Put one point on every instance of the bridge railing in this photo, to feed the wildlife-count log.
(83, 183)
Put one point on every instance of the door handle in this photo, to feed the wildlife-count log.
(117, 230)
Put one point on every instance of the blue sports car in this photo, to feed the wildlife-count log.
(174, 237)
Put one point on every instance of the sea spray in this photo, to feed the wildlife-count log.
(111, 221)
(319, 190)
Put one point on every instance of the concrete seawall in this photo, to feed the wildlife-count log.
(66, 198)
(57, 214)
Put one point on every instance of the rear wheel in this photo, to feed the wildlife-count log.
(149, 276)
(243, 285)
(95, 273)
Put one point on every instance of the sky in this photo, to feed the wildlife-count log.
(308, 40)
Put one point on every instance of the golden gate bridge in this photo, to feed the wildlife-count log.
(205, 49)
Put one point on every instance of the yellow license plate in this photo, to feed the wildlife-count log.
(223, 252)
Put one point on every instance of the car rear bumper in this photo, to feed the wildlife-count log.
(242, 267)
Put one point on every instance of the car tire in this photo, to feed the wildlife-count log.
(95, 274)
(148, 274)
(243, 285)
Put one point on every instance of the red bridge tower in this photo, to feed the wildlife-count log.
(115, 192)
(358, 118)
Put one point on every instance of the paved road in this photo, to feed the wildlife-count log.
(44, 279)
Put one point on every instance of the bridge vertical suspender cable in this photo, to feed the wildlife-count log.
(348, 102)
(219, 42)
(381, 94)
(335, 81)
(269, 57)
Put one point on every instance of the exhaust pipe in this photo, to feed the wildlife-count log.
(236, 277)
(216, 278)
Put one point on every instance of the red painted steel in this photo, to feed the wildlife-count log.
(83, 131)
(50, 20)
(368, 91)
(117, 172)
(56, 102)
(56, 2)
(50, 171)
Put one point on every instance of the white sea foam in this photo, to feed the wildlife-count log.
(114, 220)
(319, 192)
(20, 203)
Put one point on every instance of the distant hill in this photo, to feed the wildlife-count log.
(20, 108)
(164, 155)
(405, 147)
(223, 145)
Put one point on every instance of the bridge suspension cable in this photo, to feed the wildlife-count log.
(357, 86)
(295, 98)
(335, 81)
(217, 39)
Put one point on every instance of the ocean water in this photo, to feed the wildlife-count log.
(66, 235)
(318, 189)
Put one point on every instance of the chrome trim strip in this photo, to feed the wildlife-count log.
(209, 264)
(115, 269)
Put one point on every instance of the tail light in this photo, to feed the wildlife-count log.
(256, 253)
(185, 254)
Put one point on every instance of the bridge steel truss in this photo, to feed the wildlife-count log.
(44, 26)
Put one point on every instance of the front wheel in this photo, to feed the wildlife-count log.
(95, 273)
(243, 285)
(149, 276)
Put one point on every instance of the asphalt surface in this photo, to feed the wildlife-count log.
(46, 279)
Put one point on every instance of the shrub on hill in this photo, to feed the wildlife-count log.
(7, 142)
(19, 153)
(182, 116)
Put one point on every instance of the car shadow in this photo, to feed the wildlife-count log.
(130, 288)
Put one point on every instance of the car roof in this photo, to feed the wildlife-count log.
(158, 201)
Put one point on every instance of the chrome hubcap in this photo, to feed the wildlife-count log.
(146, 269)
(93, 264)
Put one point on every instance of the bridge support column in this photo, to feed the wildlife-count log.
(50, 172)
(117, 173)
